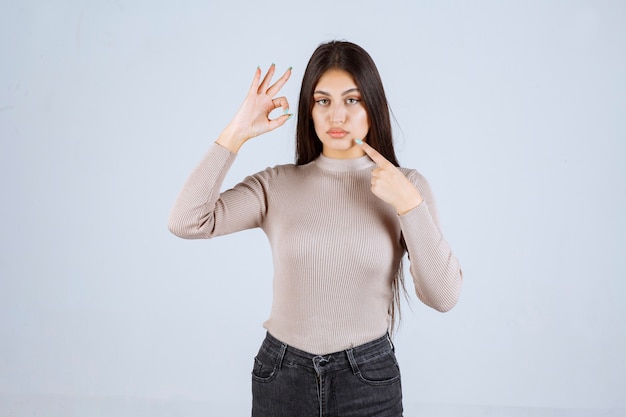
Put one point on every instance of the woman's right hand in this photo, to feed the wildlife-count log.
(252, 118)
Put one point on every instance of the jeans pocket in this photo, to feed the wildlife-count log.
(380, 370)
(265, 366)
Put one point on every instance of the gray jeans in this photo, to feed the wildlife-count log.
(358, 382)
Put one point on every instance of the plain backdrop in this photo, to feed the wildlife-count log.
(514, 110)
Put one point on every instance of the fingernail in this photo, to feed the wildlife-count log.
(287, 110)
(358, 141)
(289, 69)
(273, 65)
(290, 116)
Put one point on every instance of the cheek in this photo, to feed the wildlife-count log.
(362, 119)
(317, 115)
(318, 122)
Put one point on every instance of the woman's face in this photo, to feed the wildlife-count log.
(338, 115)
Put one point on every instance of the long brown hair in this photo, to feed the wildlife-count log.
(359, 64)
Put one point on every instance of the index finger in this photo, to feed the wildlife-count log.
(374, 155)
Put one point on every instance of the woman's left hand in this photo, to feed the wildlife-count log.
(390, 184)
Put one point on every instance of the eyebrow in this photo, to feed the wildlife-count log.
(352, 90)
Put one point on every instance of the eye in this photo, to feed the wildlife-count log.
(322, 101)
(353, 100)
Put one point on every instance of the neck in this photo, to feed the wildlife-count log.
(344, 164)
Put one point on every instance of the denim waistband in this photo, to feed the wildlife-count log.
(332, 361)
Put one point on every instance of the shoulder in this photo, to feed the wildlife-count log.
(413, 175)
(281, 172)
(419, 181)
(422, 184)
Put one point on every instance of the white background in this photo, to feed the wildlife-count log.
(514, 110)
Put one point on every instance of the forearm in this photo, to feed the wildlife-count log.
(435, 269)
(191, 216)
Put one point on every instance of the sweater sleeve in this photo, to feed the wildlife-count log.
(202, 212)
(435, 270)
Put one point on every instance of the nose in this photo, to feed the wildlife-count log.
(337, 113)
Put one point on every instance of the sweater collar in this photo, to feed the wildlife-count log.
(343, 165)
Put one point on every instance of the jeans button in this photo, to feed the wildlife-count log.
(320, 361)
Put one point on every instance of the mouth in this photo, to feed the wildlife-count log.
(337, 133)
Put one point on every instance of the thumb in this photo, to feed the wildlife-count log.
(279, 121)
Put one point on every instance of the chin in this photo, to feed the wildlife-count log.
(340, 144)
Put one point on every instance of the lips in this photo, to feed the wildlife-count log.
(337, 133)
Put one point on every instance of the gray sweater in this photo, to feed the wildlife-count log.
(336, 246)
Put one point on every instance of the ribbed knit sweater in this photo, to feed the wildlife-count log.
(336, 247)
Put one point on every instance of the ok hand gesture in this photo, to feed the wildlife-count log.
(390, 184)
(252, 118)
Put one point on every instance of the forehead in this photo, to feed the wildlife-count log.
(336, 80)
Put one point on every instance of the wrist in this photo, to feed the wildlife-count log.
(230, 140)
(409, 205)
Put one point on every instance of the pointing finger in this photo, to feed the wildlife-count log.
(374, 154)
(281, 102)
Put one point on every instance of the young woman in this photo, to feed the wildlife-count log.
(339, 222)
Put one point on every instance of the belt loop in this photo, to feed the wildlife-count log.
(353, 364)
(393, 348)
(281, 356)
